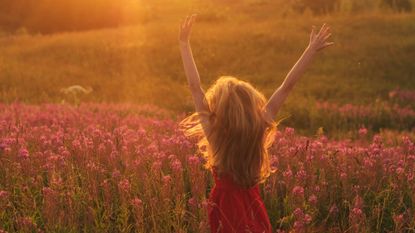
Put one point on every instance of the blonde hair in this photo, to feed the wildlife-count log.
(239, 136)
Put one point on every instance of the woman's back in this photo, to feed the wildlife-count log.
(233, 208)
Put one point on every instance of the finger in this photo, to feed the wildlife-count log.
(322, 29)
(325, 32)
(313, 32)
(183, 25)
(192, 19)
(327, 44)
(326, 37)
(185, 22)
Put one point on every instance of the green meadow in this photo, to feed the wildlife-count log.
(373, 54)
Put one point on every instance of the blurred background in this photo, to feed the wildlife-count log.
(126, 51)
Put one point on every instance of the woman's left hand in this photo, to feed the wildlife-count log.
(319, 41)
(186, 28)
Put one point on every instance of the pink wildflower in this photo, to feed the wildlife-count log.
(176, 166)
(137, 203)
(313, 199)
(23, 153)
(192, 202)
(298, 213)
(298, 191)
(307, 219)
(362, 131)
(124, 185)
(194, 161)
(333, 209)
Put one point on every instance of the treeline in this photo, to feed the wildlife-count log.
(329, 6)
(64, 15)
(48, 16)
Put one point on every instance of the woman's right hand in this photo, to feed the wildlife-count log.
(319, 41)
(185, 29)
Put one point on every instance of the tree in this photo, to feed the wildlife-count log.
(317, 6)
(398, 5)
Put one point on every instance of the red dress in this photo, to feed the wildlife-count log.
(235, 209)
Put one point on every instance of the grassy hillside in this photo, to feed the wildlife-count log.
(374, 54)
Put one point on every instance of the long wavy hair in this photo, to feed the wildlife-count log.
(239, 136)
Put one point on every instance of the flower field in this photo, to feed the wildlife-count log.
(128, 168)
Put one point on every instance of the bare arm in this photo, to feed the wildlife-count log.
(318, 41)
(192, 73)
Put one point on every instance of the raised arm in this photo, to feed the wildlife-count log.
(191, 71)
(318, 41)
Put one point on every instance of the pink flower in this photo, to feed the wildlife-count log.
(4, 195)
(124, 185)
(48, 192)
(362, 131)
(288, 173)
(289, 131)
(299, 226)
(137, 203)
(166, 180)
(298, 213)
(156, 167)
(192, 202)
(301, 175)
(313, 199)
(357, 212)
(194, 161)
(333, 209)
(307, 219)
(400, 171)
(298, 191)
(398, 219)
(116, 174)
(23, 153)
(26, 223)
(176, 166)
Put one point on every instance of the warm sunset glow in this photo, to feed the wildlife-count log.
(161, 116)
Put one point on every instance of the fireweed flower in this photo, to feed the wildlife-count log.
(298, 213)
(301, 175)
(313, 199)
(176, 166)
(192, 202)
(124, 186)
(4, 195)
(62, 137)
(194, 161)
(356, 214)
(307, 219)
(156, 167)
(26, 224)
(289, 131)
(299, 226)
(362, 132)
(333, 209)
(398, 220)
(23, 153)
(137, 203)
(116, 174)
(288, 173)
(166, 180)
(4, 198)
(298, 191)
